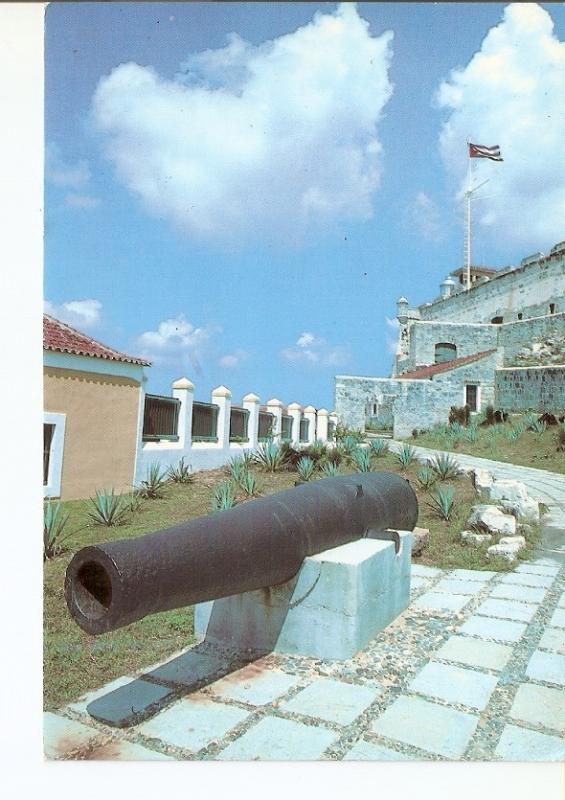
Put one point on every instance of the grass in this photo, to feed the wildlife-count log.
(529, 449)
(75, 662)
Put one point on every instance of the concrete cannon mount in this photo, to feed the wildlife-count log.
(339, 600)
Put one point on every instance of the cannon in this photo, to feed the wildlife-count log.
(258, 544)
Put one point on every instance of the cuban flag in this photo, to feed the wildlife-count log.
(481, 151)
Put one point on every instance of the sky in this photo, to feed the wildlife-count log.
(240, 192)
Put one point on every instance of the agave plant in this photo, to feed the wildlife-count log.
(330, 469)
(108, 508)
(444, 466)
(224, 497)
(305, 468)
(237, 468)
(513, 434)
(54, 522)
(406, 456)
(269, 456)
(182, 473)
(134, 501)
(442, 502)
(379, 447)
(529, 420)
(426, 478)
(362, 460)
(538, 426)
(349, 445)
(456, 430)
(154, 485)
(248, 483)
(472, 434)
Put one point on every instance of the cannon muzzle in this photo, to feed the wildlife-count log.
(257, 544)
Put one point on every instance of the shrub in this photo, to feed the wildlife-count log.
(182, 473)
(248, 483)
(513, 434)
(489, 415)
(270, 457)
(406, 456)
(442, 502)
(334, 456)
(445, 466)
(134, 501)
(561, 439)
(330, 469)
(109, 508)
(471, 435)
(362, 460)
(379, 447)
(415, 433)
(153, 487)
(460, 414)
(342, 432)
(305, 468)
(349, 445)
(224, 497)
(426, 478)
(54, 522)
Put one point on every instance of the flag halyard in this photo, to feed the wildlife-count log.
(482, 151)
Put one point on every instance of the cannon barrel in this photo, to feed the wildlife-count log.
(257, 544)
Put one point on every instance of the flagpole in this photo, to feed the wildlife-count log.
(468, 220)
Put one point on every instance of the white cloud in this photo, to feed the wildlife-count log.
(232, 360)
(254, 139)
(78, 313)
(310, 349)
(512, 94)
(81, 200)
(392, 334)
(425, 216)
(63, 174)
(177, 342)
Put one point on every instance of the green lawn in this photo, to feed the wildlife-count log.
(75, 662)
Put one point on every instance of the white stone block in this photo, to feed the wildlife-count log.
(492, 519)
(508, 490)
(525, 510)
(482, 479)
(338, 601)
(471, 537)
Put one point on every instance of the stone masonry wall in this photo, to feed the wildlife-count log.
(528, 289)
(468, 338)
(516, 335)
(537, 388)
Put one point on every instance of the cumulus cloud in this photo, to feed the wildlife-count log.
(264, 139)
(511, 94)
(310, 349)
(233, 360)
(177, 342)
(78, 313)
(61, 173)
(425, 216)
(392, 335)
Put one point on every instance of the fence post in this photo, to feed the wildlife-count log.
(310, 415)
(322, 428)
(251, 403)
(295, 411)
(221, 397)
(275, 407)
(333, 419)
(183, 390)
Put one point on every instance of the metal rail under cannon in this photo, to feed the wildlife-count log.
(259, 544)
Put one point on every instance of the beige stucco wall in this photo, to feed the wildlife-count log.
(101, 429)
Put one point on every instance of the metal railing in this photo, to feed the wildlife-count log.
(239, 420)
(266, 424)
(160, 418)
(286, 432)
(204, 422)
(304, 425)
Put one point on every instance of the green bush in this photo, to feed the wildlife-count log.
(444, 466)
(270, 457)
(182, 473)
(406, 456)
(223, 497)
(426, 478)
(54, 522)
(248, 484)
(305, 468)
(379, 447)
(442, 502)
(330, 469)
(109, 508)
(153, 487)
(460, 414)
(237, 468)
(362, 459)
(561, 439)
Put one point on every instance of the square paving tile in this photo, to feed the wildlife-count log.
(86, 699)
(540, 705)
(503, 630)
(193, 723)
(433, 728)
(62, 736)
(458, 587)
(537, 569)
(275, 739)
(472, 575)
(507, 609)
(254, 685)
(474, 653)
(454, 685)
(524, 594)
(558, 618)
(436, 601)
(331, 700)
(548, 667)
(527, 579)
(419, 583)
(521, 744)
(129, 704)
(367, 751)
(425, 572)
(122, 750)
(553, 639)
(561, 601)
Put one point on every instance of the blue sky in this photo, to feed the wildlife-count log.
(246, 209)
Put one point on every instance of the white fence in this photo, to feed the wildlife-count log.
(210, 452)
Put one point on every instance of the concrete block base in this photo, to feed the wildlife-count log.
(338, 601)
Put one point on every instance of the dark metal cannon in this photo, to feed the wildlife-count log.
(258, 544)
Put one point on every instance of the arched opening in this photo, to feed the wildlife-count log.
(497, 320)
(552, 308)
(445, 351)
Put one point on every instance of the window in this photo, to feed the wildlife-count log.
(48, 431)
(520, 315)
(552, 308)
(445, 351)
(53, 447)
(472, 397)
(375, 409)
(497, 320)
(160, 418)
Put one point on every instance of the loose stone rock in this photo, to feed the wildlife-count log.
(471, 537)
(420, 540)
(492, 520)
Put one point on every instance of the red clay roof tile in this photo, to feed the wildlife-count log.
(434, 369)
(62, 338)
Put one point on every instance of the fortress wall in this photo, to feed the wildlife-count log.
(516, 335)
(537, 388)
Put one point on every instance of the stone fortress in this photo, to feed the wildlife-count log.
(501, 343)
